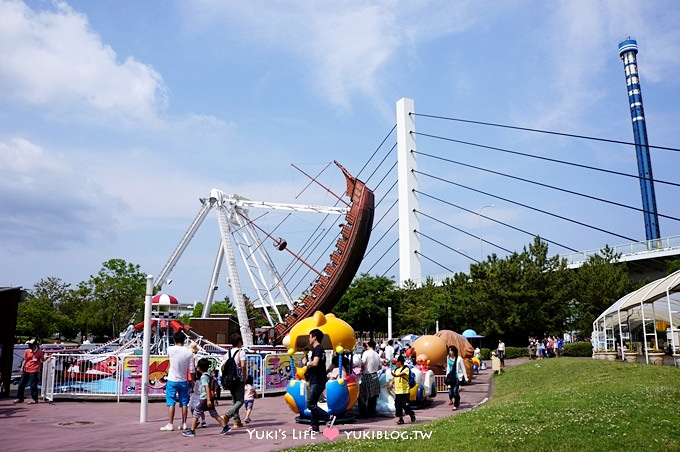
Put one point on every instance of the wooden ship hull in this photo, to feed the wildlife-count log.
(344, 263)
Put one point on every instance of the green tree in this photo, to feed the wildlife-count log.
(673, 266)
(38, 315)
(597, 284)
(112, 299)
(364, 304)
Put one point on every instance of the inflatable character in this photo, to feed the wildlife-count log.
(341, 393)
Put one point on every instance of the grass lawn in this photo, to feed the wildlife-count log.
(565, 404)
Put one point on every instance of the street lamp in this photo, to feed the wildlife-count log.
(481, 249)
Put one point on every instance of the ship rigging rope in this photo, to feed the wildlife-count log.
(323, 235)
(548, 159)
(541, 184)
(549, 132)
(494, 220)
(460, 230)
(527, 206)
(447, 246)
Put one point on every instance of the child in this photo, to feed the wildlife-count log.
(196, 398)
(402, 391)
(205, 402)
(196, 388)
(249, 397)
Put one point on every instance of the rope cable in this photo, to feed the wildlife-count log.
(460, 230)
(541, 184)
(447, 246)
(585, 137)
(496, 221)
(434, 261)
(528, 207)
(578, 165)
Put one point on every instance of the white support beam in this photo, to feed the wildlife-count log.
(409, 241)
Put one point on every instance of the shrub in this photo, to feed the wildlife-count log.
(486, 354)
(515, 352)
(578, 349)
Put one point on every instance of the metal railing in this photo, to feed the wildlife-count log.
(112, 376)
(627, 251)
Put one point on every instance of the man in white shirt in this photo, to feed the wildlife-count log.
(177, 387)
(369, 388)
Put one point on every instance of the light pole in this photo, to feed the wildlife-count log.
(479, 214)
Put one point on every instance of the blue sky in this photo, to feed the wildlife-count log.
(115, 117)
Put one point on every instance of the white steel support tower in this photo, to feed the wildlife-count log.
(409, 241)
(238, 235)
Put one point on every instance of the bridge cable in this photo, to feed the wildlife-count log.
(585, 137)
(527, 206)
(447, 246)
(383, 255)
(385, 214)
(434, 261)
(571, 192)
(382, 237)
(564, 162)
(376, 150)
(390, 267)
(496, 221)
(460, 230)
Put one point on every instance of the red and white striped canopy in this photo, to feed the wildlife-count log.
(164, 299)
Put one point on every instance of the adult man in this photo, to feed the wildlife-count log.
(30, 367)
(369, 388)
(177, 388)
(501, 352)
(316, 377)
(238, 352)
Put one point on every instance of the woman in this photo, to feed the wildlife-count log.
(455, 373)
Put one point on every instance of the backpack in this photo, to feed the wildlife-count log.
(213, 387)
(411, 378)
(229, 373)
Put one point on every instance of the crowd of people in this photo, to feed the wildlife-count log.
(547, 347)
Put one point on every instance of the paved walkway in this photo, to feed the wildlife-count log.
(93, 425)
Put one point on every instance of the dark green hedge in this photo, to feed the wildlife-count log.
(512, 352)
(486, 354)
(578, 349)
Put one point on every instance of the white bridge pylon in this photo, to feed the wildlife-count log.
(236, 227)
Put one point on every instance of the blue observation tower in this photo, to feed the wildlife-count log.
(627, 51)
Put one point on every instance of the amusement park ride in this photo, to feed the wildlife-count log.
(240, 234)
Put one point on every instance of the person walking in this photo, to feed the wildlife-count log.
(30, 369)
(177, 388)
(455, 373)
(206, 402)
(402, 391)
(316, 377)
(237, 388)
(249, 397)
(369, 388)
(501, 352)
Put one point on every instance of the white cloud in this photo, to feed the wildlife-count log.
(45, 205)
(345, 46)
(52, 58)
